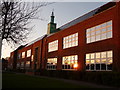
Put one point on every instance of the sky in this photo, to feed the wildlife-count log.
(64, 12)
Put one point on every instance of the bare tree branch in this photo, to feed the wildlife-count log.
(16, 16)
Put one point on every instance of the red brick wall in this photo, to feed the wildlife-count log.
(83, 48)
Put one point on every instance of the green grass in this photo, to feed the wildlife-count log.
(11, 80)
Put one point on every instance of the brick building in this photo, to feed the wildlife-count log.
(89, 43)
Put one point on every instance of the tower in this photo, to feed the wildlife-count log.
(51, 25)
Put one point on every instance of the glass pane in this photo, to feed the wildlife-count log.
(87, 56)
(109, 28)
(87, 61)
(103, 25)
(88, 40)
(28, 53)
(88, 34)
(109, 54)
(103, 30)
(103, 60)
(97, 55)
(98, 61)
(109, 34)
(88, 31)
(92, 38)
(98, 27)
(92, 61)
(76, 34)
(97, 37)
(92, 66)
(103, 66)
(98, 32)
(109, 23)
(109, 67)
(92, 55)
(93, 33)
(103, 54)
(76, 57)
(103, 36)
(87, 67)
(109, 60)
(97, 66)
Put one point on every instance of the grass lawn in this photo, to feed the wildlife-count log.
(12, 80)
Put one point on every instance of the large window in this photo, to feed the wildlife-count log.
(99, 61)
(51, 63)
(28, 53)
(70, 62)
(23, 54)
(70, 41)
(99, 32)
(53, 46)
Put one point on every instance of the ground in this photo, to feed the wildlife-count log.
(17, 80)
(12, 80)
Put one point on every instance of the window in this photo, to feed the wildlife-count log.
(99, 32)
(28, 53)
(22, 65)
(99, 61)
(23, 54)
(51, 63)
(70, 41)
(70, 62)
(27, 64)
(53, 46)
(18, 65)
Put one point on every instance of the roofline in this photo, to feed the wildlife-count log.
(86, 16)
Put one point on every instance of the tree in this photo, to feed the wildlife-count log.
(16, 15)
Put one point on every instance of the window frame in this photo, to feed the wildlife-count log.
(70, 41)
(101, 32)
(70, 62)
(101, 61)
(29, 52)
(53, 46)
(51, 65)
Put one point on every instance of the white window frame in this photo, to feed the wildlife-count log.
(104, 29)
(70, 62)
(51, 63)
(53, 46)
(70, 41)
(108, 61)
(29, 53)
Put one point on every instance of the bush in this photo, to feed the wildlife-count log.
(105, 78)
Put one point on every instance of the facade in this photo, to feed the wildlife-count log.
(88, 43)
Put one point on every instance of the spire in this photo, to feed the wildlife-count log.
(51, 25)
(52, 17)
